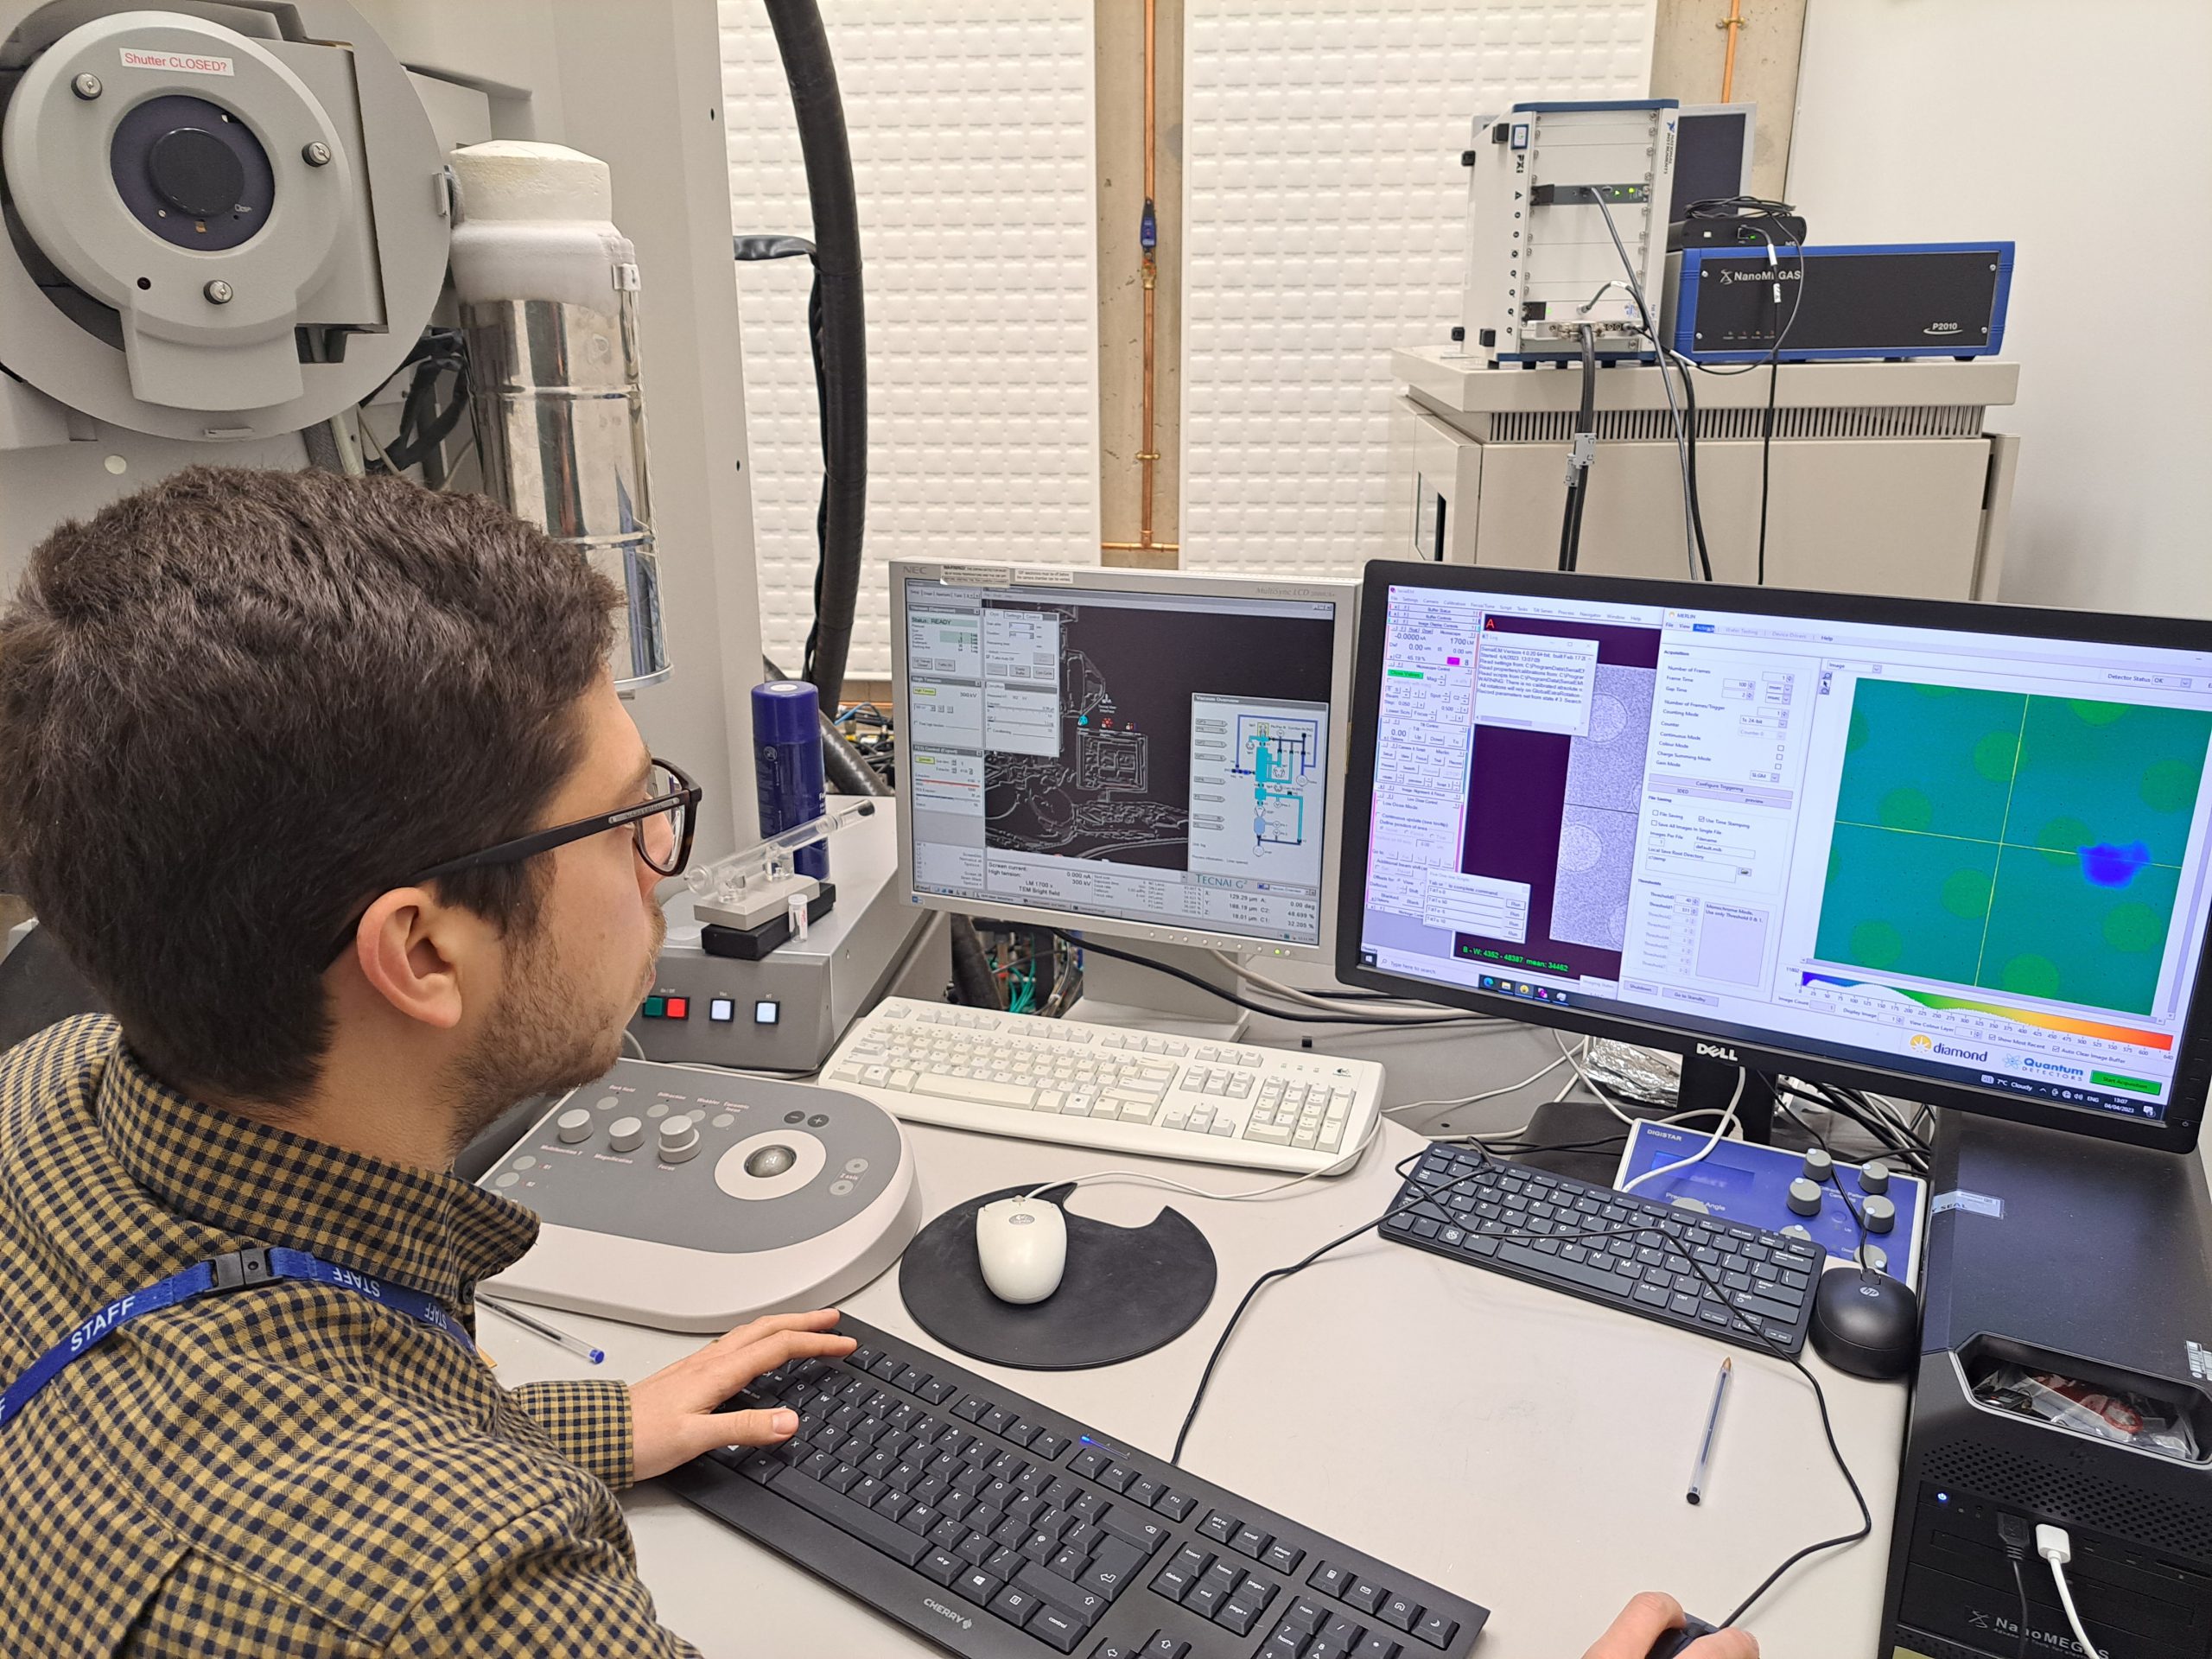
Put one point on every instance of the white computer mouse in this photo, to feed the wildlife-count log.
(1022, 1244)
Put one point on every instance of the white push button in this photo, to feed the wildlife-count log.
(679, 1138)
(573, 1125)
(625, 1133)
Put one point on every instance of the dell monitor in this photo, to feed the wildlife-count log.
(1143, 755)
(1951, 851)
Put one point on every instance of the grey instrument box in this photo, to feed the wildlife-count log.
(787, 1011)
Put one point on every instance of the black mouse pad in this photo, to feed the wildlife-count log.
(1126, 1291)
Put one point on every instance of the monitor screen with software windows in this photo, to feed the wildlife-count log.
(1951, 851)
(1154, 754)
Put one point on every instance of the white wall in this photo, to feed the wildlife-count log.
(1327, 223)
(2085, 134)
(970, 123)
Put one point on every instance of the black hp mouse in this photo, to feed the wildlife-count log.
(1866, 1323)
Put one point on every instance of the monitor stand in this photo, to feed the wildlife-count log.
(1706, 1086)
(1118, 993)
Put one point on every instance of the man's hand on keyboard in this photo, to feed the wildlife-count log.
(673, 1410)
(1650, 1615)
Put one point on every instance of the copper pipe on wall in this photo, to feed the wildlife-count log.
(1148, 456)
(1734, 25)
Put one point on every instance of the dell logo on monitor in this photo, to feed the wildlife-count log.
(1714, 1051)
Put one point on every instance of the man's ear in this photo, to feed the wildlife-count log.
(413, 951)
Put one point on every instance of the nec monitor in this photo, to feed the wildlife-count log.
(1950, 851)
(1152, 754)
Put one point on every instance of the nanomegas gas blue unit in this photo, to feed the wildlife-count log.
(1925, 299)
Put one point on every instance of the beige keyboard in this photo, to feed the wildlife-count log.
(1109, 1087)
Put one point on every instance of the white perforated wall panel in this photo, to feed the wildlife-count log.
(1327, 216)
(970, 123)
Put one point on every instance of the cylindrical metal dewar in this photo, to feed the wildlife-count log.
(547, 289)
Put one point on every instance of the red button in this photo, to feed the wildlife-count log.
(679, 1007)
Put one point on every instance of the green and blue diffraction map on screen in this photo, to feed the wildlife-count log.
(2019, 844)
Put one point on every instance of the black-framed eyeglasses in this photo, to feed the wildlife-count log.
(661, 827)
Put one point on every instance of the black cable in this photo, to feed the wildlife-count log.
(838, 325)
(1488, 1168)
(1693, 534)
(1578, 454)
(971, 967)
(1689, 465)
(1081, 942)
(2020, 1584)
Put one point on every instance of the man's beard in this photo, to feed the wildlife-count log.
(542, 1038)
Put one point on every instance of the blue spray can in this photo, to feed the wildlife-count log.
(787, 749)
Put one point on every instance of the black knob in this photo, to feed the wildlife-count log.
(195, 172)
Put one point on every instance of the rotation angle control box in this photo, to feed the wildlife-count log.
(1544, 179)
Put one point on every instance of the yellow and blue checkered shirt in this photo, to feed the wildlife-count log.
(290, 1468)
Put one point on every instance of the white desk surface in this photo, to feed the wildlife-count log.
(1526, 1449)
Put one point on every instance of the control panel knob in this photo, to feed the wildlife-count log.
(625, 1133)
(573, 1125)
(679, 1138)
(1804, 1196)
(1874, 1177)
(1875, 1257)
(1881, 1215)
(1818, 1164)
(1793, 1230)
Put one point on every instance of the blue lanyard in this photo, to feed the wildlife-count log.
(233, 1270)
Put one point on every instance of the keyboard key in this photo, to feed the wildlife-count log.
(1250, 1541)
(1175, 1505)
(1165, 1646)
(1087, 1462)
(1400, 1612)
(1437, 1630)
(1236, 1614)
(1055, 1628)
(1115, 1478)
(1330, 1580)
(1222, 1528)
(970, 1408)
(1114, 1648)
(1144, 1489)
(1112, 1568)
(1127, 1521)
(1016, 1095)
(1085, 1606)
(1376, 1646)
(847, 1516)
(941, 1566)
(1366, 1595)
(1048, 1445)
(977, 1585)
(1283, 1557)
(1014, 1605)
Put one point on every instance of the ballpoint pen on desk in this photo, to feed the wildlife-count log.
(1712, 1426)
(576, 1345)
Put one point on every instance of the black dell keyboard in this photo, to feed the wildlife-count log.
(993, 1526)
(1625, 1251)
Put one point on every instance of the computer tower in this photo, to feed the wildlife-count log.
(2089, 1260)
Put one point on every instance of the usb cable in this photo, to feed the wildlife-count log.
(2055, 1546)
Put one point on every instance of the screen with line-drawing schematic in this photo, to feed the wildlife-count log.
(1979, 858)
(1149, 757)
